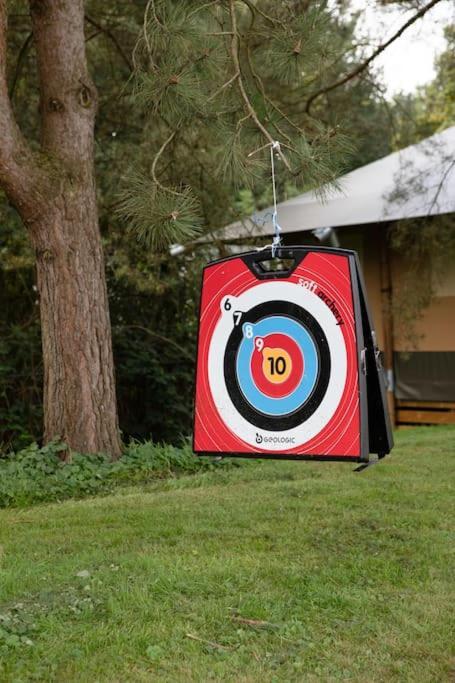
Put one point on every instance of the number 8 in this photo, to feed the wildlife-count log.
(248, 331)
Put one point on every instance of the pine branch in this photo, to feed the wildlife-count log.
(224, 86)
(447, 171)
(145, 34)
(361, 67)
(261, 86)
(256, 10)
(151, 4)
(156, 216)
(248, 105)
(114, 40)
(157, 158)
(205, 6)
(228, 99)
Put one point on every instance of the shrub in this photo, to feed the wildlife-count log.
(38, 474)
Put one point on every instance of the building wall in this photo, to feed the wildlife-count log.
(422, 363)
(436, 329)
(425, 373)
(367, 242)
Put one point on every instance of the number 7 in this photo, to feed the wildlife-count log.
(237, 315)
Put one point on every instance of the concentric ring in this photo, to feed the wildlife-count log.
(273, 382)
(260, 410)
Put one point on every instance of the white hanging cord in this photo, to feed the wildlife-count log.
(275, 146)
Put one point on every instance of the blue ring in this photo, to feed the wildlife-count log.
(267, 405)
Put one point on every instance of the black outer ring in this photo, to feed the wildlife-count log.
(251, 414)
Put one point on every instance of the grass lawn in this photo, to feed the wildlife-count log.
(268, 572)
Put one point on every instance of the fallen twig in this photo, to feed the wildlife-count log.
(255, 623)
(216, 646)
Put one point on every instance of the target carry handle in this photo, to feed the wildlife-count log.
(265, 267)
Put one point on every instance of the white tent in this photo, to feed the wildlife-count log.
(416, 181)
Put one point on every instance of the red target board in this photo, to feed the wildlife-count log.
(282, 356)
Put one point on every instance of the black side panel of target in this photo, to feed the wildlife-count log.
(287, 365)
(379, 426)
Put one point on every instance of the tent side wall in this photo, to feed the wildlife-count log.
(422, 377)
(425, 374)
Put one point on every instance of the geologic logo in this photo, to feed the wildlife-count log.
(275, 439)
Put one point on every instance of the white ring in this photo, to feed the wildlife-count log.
(236, 423)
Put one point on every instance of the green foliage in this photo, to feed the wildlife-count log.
(234, 165)
(158, 216)
(20, 354)
(36, 474)
(220, 81)
(17, 628)
(296, 50)
(172, 31)
(153, 305)
(173, 95)
(432, 108)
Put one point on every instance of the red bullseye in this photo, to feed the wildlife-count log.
(277, 365)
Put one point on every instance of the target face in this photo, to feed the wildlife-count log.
(277, 367)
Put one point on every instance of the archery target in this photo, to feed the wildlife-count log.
(278, 362)
(276, 365)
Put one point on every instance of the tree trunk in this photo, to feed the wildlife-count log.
(79, 385)
(54, 192)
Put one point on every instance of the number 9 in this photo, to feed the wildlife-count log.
(259, 343)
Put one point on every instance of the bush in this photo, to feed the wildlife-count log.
(38, 474)
(153, 312)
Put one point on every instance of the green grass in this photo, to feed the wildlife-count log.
(349, 576)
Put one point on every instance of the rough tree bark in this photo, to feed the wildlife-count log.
(54, 192)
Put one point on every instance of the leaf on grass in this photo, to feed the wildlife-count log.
(154, 652)
(83, 574)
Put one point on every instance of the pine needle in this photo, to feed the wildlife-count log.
(159, 216)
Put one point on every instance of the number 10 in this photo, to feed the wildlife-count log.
(277, 365)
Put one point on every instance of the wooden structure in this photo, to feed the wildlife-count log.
(426, 394)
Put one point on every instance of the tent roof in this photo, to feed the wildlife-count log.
(416, 181)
